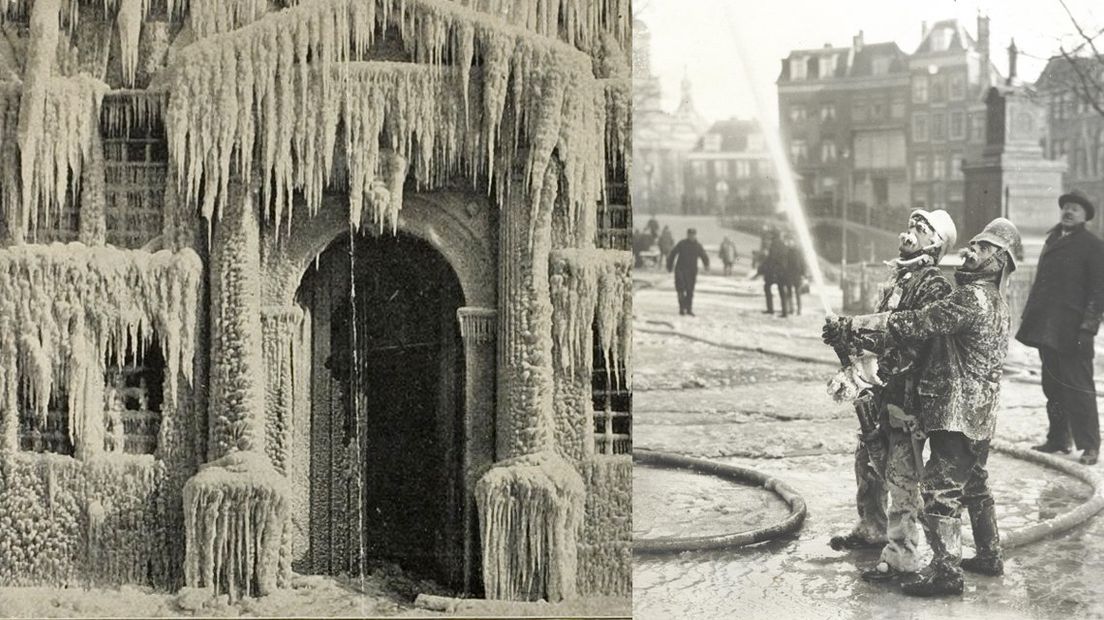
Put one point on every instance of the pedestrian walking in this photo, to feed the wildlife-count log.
(683, 259)
(1060, 319)
(888, 457)
(666, 243)
(728, 255)
(957, 402)
(652, 227)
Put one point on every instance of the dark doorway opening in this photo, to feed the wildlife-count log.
(393, 358)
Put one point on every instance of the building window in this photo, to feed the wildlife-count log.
(136, 159)
(977, 127)
(799, 151)
(956, 165)
(132, 398)
(939, 166)
(881, 191)
(920, 168)
(957, 88)
(797, 69)
(612, 401)
(938, 126)
(880, 65)
(939, 196)
(828, 112)
(698, 168)
(938, 89)
(920, 89)
(44, 435)
(919, 127)
(827, 151)
(958, 125)
(797, 113)
(919, 198)
(878, 110)
(743, 169)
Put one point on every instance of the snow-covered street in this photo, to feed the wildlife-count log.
(737, 386)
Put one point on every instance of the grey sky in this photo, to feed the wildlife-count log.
(695, 36)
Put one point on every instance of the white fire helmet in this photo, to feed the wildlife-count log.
(944, 227)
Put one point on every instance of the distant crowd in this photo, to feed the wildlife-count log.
(779, 261)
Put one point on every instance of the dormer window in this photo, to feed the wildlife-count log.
(797, 68)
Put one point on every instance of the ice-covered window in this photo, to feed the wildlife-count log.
(132, 402)
(44, 434)
(612, 398)
(135, 165)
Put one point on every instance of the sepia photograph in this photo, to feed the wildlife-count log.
(315, 308)
(868, 283)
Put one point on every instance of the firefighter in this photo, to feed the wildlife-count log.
(889, 459)
(957, 400)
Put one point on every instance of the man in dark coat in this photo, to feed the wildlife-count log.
(772, 258)
(957, 398)
(666, 242)
(793, 273)
(885, 460)
(683, 259)
(1061, 318)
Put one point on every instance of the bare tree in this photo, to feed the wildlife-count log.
(1084, 64)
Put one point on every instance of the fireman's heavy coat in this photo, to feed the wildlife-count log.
(958, 387)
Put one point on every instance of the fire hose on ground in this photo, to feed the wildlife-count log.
(727, 472)
(792, 523)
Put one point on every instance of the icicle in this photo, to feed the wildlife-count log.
(132, 14)
(423, 112)
(530, 512)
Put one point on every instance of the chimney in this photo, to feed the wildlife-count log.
(1012, 54)
(857, 42)
(983, 49)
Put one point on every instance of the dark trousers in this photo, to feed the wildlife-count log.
(1071, 399)
(955, 475)
(783, 298)
(684, 287)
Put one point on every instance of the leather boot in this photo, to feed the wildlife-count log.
(987, 559)
(1058, 434)
(943, 576)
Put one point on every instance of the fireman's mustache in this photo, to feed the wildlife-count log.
(907, 238)
(967, 254)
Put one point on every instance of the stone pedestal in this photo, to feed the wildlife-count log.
(1012, 179)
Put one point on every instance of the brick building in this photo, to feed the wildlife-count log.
(729, 172)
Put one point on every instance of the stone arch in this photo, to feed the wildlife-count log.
(458, 224)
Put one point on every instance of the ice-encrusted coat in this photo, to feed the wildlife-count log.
(912, 287)
(958, 388)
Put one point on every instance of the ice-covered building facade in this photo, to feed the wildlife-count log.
(297, 286)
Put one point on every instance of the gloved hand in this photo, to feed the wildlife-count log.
(836, 331)
(1085, 343)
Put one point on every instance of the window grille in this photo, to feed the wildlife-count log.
(132, 402)
(612, 399)
(615, 224)
(49, 436)
(135, 166)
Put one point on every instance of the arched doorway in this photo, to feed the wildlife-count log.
(399, 375)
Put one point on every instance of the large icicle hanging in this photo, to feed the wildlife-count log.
(66, 308)
(592, 288)
(131, 15)
(530, 514)
(271, 91)
(578, 22)
(211, 17)
(56, 135)
(235, 517)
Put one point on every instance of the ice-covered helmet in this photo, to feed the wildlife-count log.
(1002, 233)
(943, 226)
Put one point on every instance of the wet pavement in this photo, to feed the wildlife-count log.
(771, 413)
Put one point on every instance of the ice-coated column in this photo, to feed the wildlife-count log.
(478, 328)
